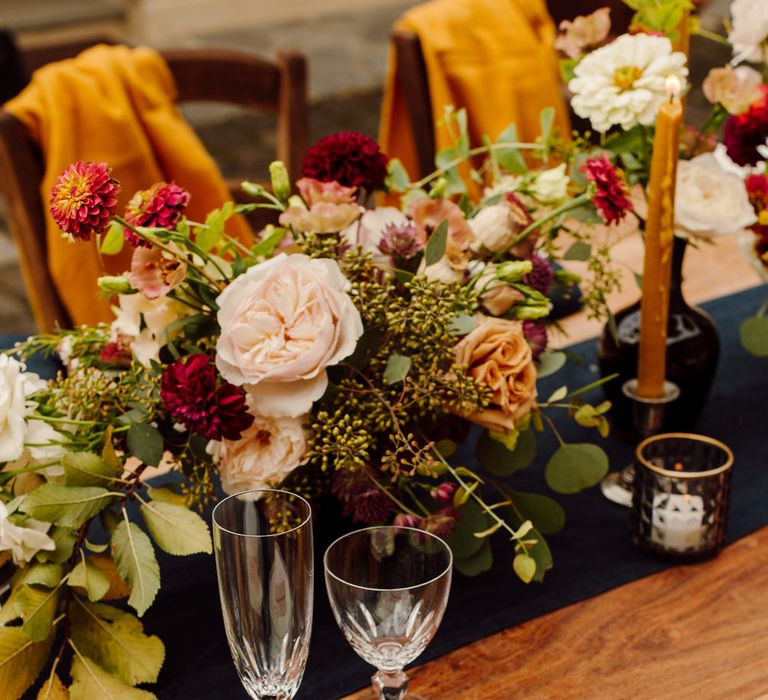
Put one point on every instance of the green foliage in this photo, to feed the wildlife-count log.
(546, 514)
(68, 506)
(659, 15)
(397, 368)
(91, 681)
(176, 529)
(64, 538)
(462, 540)
(574, 467)
(88, 577)
(115, 640)
(578, 251)
(210, 236)
(87, 469)
(753, 333)
(496, 459)
(398, 179)
(550, 362)
(166, 494)
(35, 606)
(114, 240)
(510, 158)
(136, 563)
(436, 244)
(269, 241)
(525, 567)
(479, 562)
(145, 443)
(462, 324)
(34, 574)
(547, 120)
(21, 661)
(452, 179)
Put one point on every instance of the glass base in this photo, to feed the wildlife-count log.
(408, 696)
(617, 486)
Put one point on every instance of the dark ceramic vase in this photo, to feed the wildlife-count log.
(693, 349)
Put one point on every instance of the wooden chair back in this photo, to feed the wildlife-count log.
(200, 75)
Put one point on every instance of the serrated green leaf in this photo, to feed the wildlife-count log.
(525, 567)
(510, 158)
(575, 467)
(145, 443)
(114, 240)
(46, 574)
(53, 689)
(136, 562)
(436, 244)
(462, 540)
(397, 368)
(64, 538)
(90, 681)
(176, 529)
(496, 459)
(86, 469)
(754, 335)
(115, 640)
(96, 548)
(398, 179)
(21, 661)
(68, 506)
(166, 494)
(462, 324)
(578, 251)
(35, 607)
(480, 561)
(86, 575)
(550, 362)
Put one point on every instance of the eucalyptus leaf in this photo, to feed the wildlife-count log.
(575, 467)
(462, 324)
(510, 158)
(397, 176)
(397, 368)
(479, 562)
(578, 251)
(546, 514)
(550, 362)
(496, 459)
(436, 244)
(754, 335)
(462, 540)
(525, 567)
(558, 395)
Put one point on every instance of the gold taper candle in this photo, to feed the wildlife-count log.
(659, 239)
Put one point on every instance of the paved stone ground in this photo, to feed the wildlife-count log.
(347, 58)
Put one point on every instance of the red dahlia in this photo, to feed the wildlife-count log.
(205, 403)
(610, 197)
(349, 158)
(757, 189)
(84, 199)
(746, 131)
(161, 206)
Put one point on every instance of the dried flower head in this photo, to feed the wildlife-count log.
(610, 197)
(349, 158)
(541, 276)
(161, 206)
(402, 241)
(206, 404)
(84, 199)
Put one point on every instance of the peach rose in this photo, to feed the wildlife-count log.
(584, 32)
(282, 323)
(497, 354)
(264, 455)
(735, 89)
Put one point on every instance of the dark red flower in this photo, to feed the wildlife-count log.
(84, 199)
(744, 132)
(441, 522)
(406, 520)
(205, 403)
(363, 501)
(535, 333)
(444, 492)
(757, 189)
(116, 354)
(161, 206)
(402, 240)
(540, 278)
(349, 158)
(611, 190)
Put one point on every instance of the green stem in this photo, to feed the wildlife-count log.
(712, 36)
(554, 214)
(63, 421)
(552, 425)
(418, 503)
(593, 385)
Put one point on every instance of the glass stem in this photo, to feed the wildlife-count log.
(390, 685)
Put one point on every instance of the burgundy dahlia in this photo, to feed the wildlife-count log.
(610, 197)
(744, 132)
(84, 199)
(161, 206)
(207, 405)
(349, 158)
(541, 276)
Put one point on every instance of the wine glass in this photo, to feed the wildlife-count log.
(388, 588)
(263, 545)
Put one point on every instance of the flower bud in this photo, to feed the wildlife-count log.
(406, 520)
(115, 285)
(438, 188)
(281, 183)
(513, 270)
(444, 492)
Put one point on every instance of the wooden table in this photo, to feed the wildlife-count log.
(698, 632)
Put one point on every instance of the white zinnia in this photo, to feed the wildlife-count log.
(23, 542)
(749, 31)
(709, 201)
(623, 83)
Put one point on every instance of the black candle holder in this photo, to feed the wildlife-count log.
(648, 417)
(681, 493)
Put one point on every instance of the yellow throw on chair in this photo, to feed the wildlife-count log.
(496, 58)
(113, 104)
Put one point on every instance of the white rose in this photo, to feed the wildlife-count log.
(45, 446)
(494, 228)
(283, 322)
(15, 386)
(551, 186)
(749, 31)
(265, 454)
(709, 201)
(23, 542)
(368, 231)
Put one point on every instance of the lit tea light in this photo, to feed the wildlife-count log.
(678, 521)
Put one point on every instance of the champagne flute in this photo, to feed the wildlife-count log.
(388, 588)
(263, 545)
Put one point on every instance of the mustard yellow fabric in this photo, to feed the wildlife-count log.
(496, 58)
(113, 104)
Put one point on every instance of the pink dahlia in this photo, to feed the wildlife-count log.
(84, 199)
(611, 190)
(744, 132)
(206, 404)
(161, 206)
(349, 158)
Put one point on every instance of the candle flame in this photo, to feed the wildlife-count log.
(686, 497)
(673, 86)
